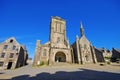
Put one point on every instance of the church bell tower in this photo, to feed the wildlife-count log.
(57, 32)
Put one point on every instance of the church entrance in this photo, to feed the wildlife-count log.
(60, 57)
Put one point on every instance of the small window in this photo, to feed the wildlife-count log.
(2, 55)
(6, 46)
(11, 55)
(1, 64)
(14, 47)
(44, 52)
(85, 46)
(103, 50)
(58, 39)
(11, 40)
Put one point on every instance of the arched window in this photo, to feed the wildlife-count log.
(85, 46)
(44, 52)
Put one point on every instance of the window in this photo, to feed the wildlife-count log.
(44, 52)
(6, 46)
(1, 64)
(16, 53)
(56, 26)
(85, 46)
(62, 27)
(103, 50)
(2, 55)
(11, 55)
(58, 39)
(11, 40)
(14, 47)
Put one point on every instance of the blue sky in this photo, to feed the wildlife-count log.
(29, 20)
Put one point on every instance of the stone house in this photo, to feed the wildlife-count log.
(115, 55)
(12, 54)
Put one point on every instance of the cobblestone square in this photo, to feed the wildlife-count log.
(67, 72)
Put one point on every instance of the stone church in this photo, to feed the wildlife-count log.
(83, 50)
(58, 49)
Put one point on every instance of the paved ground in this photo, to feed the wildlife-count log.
(69, 72)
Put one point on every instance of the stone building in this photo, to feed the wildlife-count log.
(99, 54)
(83, 50)
(12, 54)
(103, 54)
(57, 49)
(115, 55)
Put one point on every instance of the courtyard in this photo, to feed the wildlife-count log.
(64, 72)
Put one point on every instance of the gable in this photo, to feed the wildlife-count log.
(11, 40)
(84, 40)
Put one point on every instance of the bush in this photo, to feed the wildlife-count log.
(107, 58)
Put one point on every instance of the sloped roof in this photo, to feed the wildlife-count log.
(118, 50)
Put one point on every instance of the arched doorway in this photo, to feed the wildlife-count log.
(60, 57)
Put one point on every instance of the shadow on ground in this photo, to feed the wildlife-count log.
(83, 74)
(116, 65)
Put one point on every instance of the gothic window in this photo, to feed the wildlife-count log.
(44, 52)
(14, 47)
(60, 27)
(56, 26)
(6, 46)
(2, 55)
(85, 46)
(58, 39)
(11, 55)
(1, 64)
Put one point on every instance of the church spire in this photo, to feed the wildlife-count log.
(81, 29)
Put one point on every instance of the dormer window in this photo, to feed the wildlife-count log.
(11, 40)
